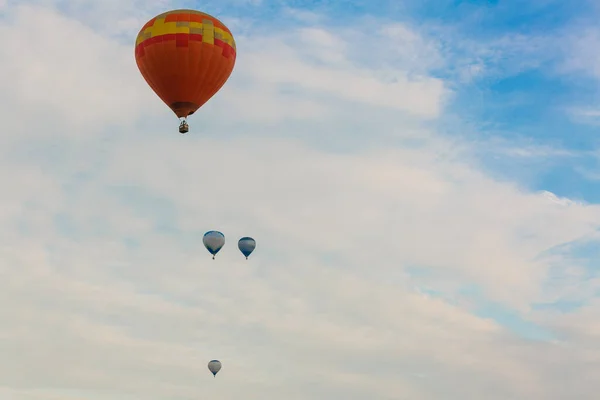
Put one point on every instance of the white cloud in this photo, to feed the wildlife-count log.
(579, 48)
(332, 74)
(71, 75)
(110, 295)
(302, 15)
(584, 115)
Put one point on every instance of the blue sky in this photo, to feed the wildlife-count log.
(420, 176)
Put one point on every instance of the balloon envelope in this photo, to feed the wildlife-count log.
(246, 245)
(213, 241)
(214, 366)
(185, 56)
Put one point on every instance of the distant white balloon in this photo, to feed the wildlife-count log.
(246, 246)
(214, 366)
(213, 241)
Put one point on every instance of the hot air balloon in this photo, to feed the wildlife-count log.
(246, 246)
(214, 366)
(213, 241)
(185, 56)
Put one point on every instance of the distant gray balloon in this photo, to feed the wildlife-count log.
(214, 366)
(246, 246)
(213, 241)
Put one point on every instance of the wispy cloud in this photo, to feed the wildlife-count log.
(589, 116)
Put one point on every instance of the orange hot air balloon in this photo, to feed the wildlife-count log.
(185, 56)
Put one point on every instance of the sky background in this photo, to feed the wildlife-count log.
(421, 177)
